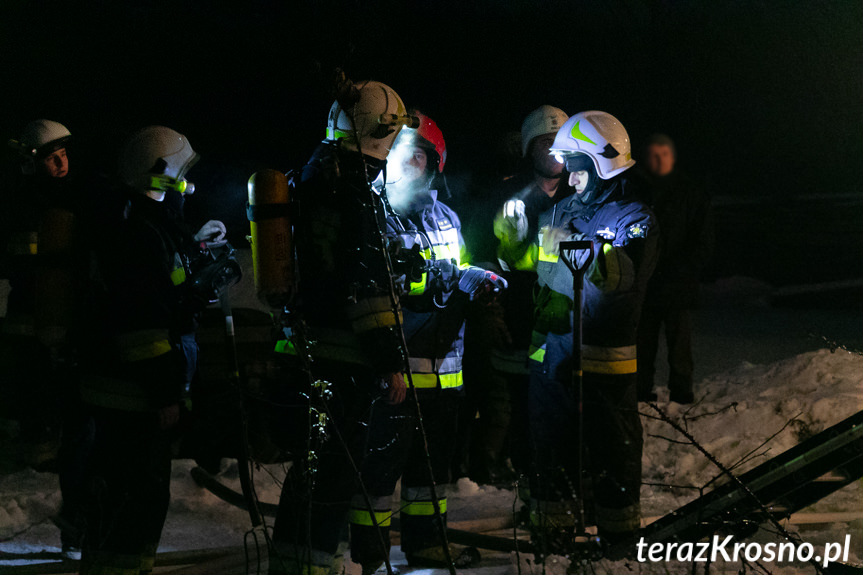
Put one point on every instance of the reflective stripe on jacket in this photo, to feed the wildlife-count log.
(433, 321)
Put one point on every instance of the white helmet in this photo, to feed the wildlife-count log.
(156, 158)
(40, 138)
(598, 135)
(370, 124)
(543, 120)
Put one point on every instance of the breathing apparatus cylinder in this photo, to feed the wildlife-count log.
(272, 245)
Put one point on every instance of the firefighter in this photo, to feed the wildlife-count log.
(595, 149)
(539, 186)
(42, 255)
(135, 373)
(438, 284)
(346, 336)
(37, 316)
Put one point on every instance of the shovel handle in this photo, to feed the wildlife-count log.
(573, 245)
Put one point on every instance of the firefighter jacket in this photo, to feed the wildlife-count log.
(514, 258)
(434, 309)
(148, 305)
(344, 291)
(625, 234)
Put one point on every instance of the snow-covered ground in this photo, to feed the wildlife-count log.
(762, 372)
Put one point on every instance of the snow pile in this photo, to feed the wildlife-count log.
(737, 411)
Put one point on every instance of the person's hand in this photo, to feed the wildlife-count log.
(396, 388)
(169, 416)
(477, 282)
(551, 238)
(579, 257)
(212, 233)
(510, 224)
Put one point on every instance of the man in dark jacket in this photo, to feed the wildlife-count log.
(683, 210)
(596, 151)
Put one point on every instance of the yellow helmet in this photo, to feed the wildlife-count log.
(371, 123)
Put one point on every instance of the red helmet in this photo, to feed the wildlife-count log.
(429, 131)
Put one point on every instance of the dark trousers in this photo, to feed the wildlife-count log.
(312, 517)
(396, 449)
(484, 422)
(612, 434)
(72, 469)
(129, 475)
(678, 337)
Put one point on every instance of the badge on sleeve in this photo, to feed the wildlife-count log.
(636, 231)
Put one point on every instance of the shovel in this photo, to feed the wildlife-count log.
(566, 250)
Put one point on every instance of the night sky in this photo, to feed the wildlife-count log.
(764, 98)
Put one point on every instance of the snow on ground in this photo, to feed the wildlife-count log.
(762, 372)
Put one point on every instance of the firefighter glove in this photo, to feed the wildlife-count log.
(510, 224)
(477, 282)
(212, 233)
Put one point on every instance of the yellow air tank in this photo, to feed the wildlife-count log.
(272, 245)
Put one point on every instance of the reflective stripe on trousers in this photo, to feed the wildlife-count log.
(426, 372)
(598, 359)
(418, 501)
(382, 515)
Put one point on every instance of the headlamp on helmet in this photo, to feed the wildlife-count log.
(163, 183)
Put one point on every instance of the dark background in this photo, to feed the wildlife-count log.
(764, 98)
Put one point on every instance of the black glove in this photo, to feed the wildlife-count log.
(476, 282)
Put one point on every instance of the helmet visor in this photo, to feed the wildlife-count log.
(577, 163)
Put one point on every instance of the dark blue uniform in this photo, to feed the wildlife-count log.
(625, 234)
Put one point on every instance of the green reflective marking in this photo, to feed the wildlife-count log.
(578, 135)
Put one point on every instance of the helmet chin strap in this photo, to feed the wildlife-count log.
(600, 190)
